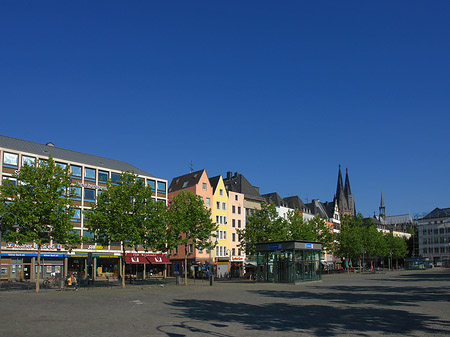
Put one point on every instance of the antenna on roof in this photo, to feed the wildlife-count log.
(191, 167)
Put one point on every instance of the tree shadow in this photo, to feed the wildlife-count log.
(322, 320)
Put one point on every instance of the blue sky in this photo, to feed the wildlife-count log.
(280, 92)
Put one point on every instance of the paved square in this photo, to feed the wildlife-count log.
(412, 303)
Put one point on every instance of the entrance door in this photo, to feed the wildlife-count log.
(26, 271)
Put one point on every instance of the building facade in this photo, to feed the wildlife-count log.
(89, 175)
(434, 236)
(198, 260)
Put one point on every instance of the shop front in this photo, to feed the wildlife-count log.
(288, 262)
(237, 266)
(23, 265)
(141, 266)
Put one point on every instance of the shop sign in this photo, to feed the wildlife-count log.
(30, 246)
(308, 246)
(237, 258)
(274, 246)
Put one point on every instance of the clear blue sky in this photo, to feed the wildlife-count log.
(282, 92)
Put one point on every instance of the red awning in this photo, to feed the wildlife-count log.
(158, 259)
(135, 259)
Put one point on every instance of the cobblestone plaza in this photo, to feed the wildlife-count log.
(411, 303)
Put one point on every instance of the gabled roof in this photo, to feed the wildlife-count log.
(274, 198)
(238, 183)
(60, 154)
(438, 213)
(294, 202)
(214, 181)
(329, 207)
(185, 181)
(318, 208)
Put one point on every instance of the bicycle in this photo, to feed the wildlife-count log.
(54, 281)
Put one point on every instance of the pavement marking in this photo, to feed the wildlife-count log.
(139, 302)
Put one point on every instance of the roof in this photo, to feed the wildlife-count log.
(398, 219)
(60, 154)
(274, 198)
(294, 202)
(214, 181)
(238, 183)
(185, 181)
(438, 213)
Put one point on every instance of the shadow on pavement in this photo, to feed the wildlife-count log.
(322, 320)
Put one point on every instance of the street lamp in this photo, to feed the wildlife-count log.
(229, 263)
(211, 276)
(14, 226)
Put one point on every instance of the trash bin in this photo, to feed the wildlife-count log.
(178, 279)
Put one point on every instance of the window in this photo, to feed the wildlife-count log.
(151, 183)
(103, 176)
(217, 219)
(30, 161)
(208, 202)
(191, 248)
(161, 187)
(9, 180)
(233, 209)
(10, 159)
(224, 206)
(217, 205)
(441, 230)
(77, 215)
(217, 251)
(204, 186)
(224, 235)
(233, 252)
(75, 171)
(221, 192)
(89, 194)
(62, 165)
(239, 210)
(236, 197)
(89, 174)
(76, 191)
(115, 177)
(239, 223)
(233, 238)
(224, 220)
(233, 222)
(89, 236)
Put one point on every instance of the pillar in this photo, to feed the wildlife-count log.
(33, 269)
(94, 268)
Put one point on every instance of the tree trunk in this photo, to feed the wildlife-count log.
(38, 268)
(185, 264)
(123, 266)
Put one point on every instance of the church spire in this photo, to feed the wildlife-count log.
(340, 186)
(382, 210)
(347, 190)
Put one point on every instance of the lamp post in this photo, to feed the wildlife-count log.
(390, 259)
(14, 226)
(211, 276)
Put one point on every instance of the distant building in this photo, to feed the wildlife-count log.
(434, 236)
(344, 197)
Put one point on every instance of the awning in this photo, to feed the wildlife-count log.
(158, 259)
(135, 259)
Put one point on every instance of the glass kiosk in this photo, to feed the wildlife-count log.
(288, 262)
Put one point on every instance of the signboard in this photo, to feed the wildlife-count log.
(274, 246)
(308, 246)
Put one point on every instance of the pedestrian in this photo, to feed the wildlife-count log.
(74, 282)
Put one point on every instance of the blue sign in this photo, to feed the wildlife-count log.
(9, 245)
(308, 245)
(273, 246)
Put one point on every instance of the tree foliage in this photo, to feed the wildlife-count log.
(189, 222)
(125, 212)
(41, 202)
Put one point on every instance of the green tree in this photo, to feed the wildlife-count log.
(126, 212)
(315, 229)
(350, 240)
(189, 222)
(41, 201)
(263, 225)
(396, 246)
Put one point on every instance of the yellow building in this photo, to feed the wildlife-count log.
(220, 214)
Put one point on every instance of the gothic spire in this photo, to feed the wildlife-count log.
(347, 190)
(340, 186)
(382, 209)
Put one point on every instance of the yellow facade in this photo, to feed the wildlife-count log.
(220, 216)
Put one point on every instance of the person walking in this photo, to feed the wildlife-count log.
(74, 282)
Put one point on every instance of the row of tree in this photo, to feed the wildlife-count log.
(357, 238)
(40, 200)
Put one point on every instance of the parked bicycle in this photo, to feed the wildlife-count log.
(52, 282)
